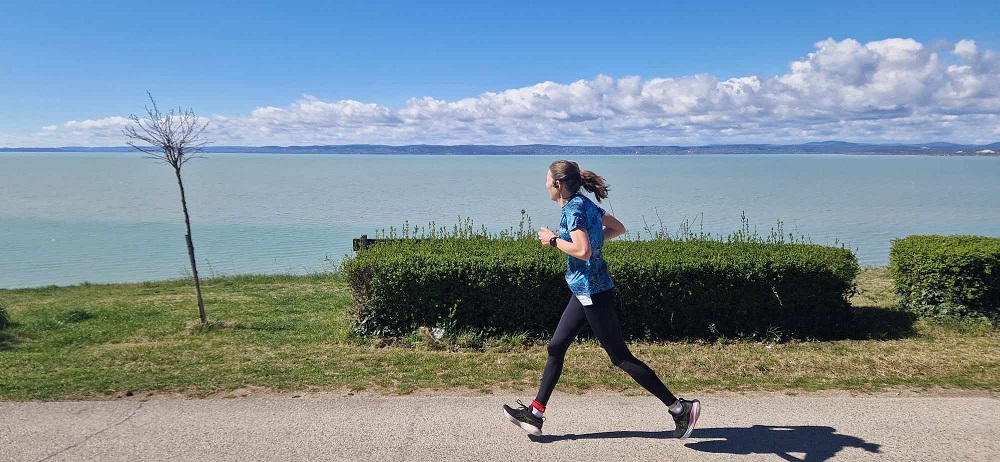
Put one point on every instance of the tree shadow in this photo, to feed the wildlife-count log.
(7, 339)
(260, 327)
(815, 442)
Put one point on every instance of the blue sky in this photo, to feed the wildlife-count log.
(308, 69)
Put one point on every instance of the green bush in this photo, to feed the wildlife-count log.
(666, 289)
(706, 289)
(488, 285)
(948, 276)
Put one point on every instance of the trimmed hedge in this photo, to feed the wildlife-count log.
(666, 289)
(705, 288)
(950, 276)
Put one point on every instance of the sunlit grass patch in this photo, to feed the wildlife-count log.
(287, 333)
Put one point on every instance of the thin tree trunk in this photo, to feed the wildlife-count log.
(190, 246)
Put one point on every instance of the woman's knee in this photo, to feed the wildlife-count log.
(558, 348)
(620, 357)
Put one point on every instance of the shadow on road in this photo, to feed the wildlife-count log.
(814, 442)
(601, 435)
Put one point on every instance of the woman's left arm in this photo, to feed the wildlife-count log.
(612, 227)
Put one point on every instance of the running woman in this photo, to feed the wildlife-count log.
(583, 228)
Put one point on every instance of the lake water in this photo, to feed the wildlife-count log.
(67, 218)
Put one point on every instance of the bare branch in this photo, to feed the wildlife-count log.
(189, 157)
(151, 151)
(170, 137)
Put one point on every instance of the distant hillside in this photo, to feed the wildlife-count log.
(821, 147)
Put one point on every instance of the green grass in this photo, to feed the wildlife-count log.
(292, 333)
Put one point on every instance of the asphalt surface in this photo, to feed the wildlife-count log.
(591, 428)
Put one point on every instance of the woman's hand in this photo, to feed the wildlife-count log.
(545, 235)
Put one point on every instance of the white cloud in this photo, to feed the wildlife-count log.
(966, 50)
(114, 123)
(888, 90)
(99, 132)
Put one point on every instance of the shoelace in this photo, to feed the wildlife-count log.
(528, 409)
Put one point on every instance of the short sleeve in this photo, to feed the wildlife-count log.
(575, 217)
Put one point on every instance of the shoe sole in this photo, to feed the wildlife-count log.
(531, 429)
(692, 418)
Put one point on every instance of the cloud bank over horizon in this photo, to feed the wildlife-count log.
(893, 90)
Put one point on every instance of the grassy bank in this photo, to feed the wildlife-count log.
(286, 333)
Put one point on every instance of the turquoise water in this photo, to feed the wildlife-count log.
(116, 217)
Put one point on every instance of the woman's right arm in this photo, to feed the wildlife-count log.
(612, 227)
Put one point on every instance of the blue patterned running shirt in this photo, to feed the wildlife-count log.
(585, 277)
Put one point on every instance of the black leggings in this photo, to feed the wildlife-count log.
(604, 322)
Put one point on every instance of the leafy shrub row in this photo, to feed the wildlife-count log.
(948, 276)
(666, 288)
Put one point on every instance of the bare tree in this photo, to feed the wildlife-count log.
(171, 138)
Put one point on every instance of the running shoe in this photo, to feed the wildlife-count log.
(687, 418)
(522, 417)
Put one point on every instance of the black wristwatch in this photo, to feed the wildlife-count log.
(552, 242)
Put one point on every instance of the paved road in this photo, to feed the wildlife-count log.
(578, 428)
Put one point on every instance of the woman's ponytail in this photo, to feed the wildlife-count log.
(594, 183)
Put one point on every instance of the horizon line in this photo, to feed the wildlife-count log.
(886, 144)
